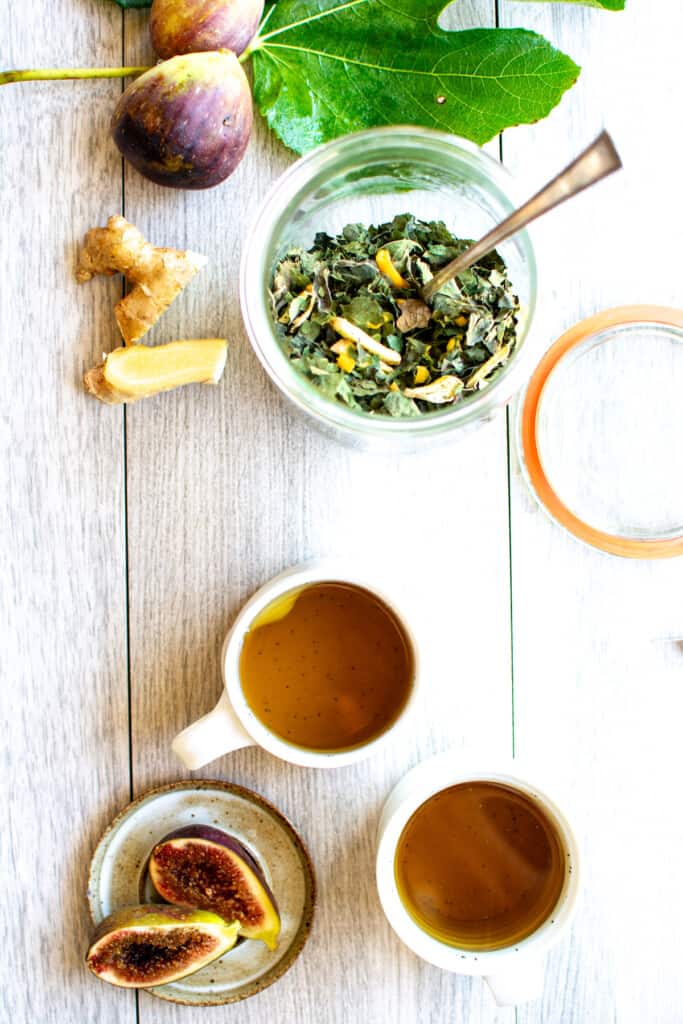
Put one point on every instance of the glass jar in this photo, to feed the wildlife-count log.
(599, 427)
(370, 177)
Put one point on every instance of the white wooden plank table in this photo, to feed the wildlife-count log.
(132, 537)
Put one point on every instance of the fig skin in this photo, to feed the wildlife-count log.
(201, 866)
(127, 949)
(186, 122)
(188, 26)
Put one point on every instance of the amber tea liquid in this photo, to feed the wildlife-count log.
(327, 667)
(480, 866)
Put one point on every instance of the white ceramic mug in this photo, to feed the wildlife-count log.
(232, 724)
(514, 973)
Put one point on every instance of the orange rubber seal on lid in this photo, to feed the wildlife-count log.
(611, 543)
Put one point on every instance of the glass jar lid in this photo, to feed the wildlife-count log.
(601, 431)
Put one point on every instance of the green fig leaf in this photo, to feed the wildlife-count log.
(326, 67)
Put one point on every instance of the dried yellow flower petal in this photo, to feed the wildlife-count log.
(386, 267)
(346, 362)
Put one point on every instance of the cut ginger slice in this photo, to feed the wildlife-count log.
(138, 371)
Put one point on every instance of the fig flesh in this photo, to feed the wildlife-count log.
(186, 122)
(147, 945)
(201, 866)
(188, 26)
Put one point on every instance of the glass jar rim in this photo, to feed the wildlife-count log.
(581, 334)
(283, 194)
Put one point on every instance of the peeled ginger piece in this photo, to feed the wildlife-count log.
(138, 371)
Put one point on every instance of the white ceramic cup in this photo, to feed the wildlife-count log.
(514, 973)
(232, 724)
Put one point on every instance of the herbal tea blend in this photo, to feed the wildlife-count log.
(351, 318)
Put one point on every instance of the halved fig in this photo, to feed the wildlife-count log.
(142, 946)
(201, 866)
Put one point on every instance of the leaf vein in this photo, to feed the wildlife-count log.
(406, 71)
(307, 21)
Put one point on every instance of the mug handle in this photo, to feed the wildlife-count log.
(219, 732)
(519, 983)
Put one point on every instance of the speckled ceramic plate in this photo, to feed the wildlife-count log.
(118, 877)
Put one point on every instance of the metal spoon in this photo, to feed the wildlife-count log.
(595, 163)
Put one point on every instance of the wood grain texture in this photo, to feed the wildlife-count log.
(597, 674)
(63, 600)
(226, 488)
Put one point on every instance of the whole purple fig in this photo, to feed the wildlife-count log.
(187, 26)
(186, 122)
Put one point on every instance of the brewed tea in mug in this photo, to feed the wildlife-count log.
(327, 667)
(480, 865)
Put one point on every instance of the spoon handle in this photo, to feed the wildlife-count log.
(595, 163)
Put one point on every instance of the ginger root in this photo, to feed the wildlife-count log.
(350, 332)
(159, 275)
(138, 371)
(439, 391)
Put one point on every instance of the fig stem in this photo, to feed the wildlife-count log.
(58, 74)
